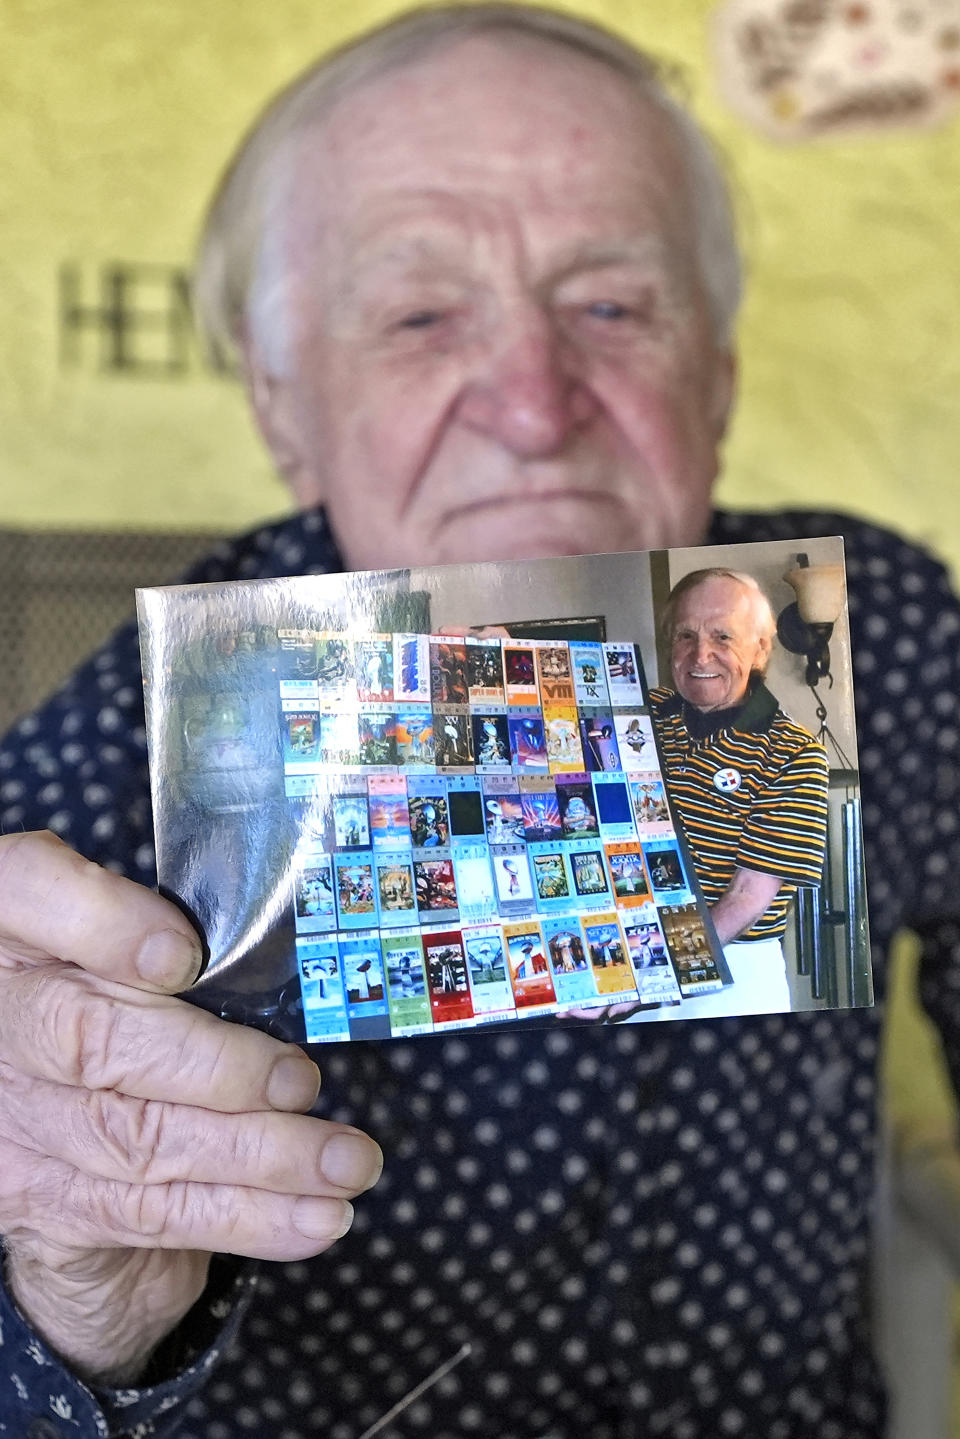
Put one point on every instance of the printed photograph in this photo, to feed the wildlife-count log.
(561, 814)
(491, 741)
(435, 886)
(520, 670)
(666, 870)
(589, 673)
(566, 951)
(448, 672)
(373, 658)
(405, 976)
(335, 672)
(504, 817)
(635, 741)
(623, 676)
(562, 730)
(378, 739)
(446, 965)
(389, 819)
(528, 745)
(486, 958)
(527, 959)
(599, 737)
(452, 740)
(363, 973)
(429, 821)
(395, 884)
(605, 946)
(589, 876)
(485, 670)
(411, 675)
(302, 735)
(512, 875)
(647, 946)
(355, 893)
(650, 807)
(314, 894)
(550, 876)
(578, 812)
(628, 874)
(541, 815)
(414, 738)
(351, 822)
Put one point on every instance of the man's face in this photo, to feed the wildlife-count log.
(499, 343)
(715, 644)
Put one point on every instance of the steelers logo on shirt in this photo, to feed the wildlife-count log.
(727, 780)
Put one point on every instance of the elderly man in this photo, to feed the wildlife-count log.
(480, 275)
(749, 782)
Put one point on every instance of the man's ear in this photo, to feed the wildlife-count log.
(764, 650)
(723, 392)
(271, 399)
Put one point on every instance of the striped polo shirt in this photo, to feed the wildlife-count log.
(751, 795)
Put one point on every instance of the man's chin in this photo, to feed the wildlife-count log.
(705, 700)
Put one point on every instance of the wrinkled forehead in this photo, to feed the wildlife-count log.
(718, 602)
(485, 113)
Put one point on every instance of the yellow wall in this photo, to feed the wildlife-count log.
(116, 118)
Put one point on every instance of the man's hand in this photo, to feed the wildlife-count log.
(138, 1134)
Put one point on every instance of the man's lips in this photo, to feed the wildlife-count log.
(522, 496)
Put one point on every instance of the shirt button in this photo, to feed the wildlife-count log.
(43, 1429)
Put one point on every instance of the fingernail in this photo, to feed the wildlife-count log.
(294, 1082)
(352, 1161)
(169, 959)
(322, 1218)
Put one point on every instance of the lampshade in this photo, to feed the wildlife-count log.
(819, 590)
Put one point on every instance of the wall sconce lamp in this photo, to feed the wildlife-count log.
(805, 628)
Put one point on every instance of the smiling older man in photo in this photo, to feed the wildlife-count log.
(480, 276)
(749, 783)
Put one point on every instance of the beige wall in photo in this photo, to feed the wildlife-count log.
(768, 563)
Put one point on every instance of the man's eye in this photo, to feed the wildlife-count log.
(607, 310)
(420, 319)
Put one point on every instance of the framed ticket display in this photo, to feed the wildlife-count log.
(391, 819)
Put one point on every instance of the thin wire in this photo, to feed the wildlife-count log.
(421, 1388)
(826, 733)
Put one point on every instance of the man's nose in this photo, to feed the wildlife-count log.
(527, 392)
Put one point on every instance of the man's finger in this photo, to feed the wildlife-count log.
(106, 1135)
(55, 904)
(225, 1218)
(61, 1024)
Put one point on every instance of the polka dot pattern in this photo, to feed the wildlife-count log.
(637, 1232)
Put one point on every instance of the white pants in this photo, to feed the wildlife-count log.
(759, 985)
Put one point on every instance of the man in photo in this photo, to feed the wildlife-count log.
(748, 782)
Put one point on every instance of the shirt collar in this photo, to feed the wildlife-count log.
(753, 716)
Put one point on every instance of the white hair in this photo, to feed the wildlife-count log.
(764, 619)
(239, 284)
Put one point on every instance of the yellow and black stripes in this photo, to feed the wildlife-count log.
(752, 795)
